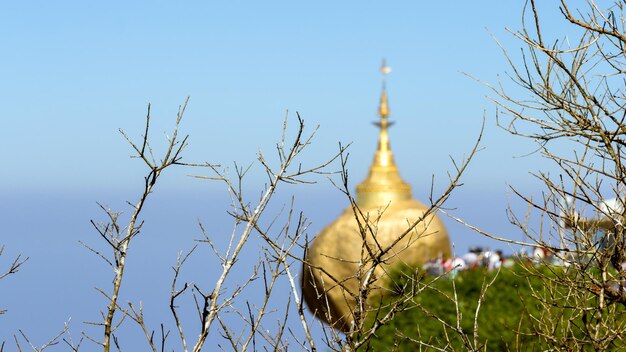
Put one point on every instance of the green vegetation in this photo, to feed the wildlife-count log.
(510, 315)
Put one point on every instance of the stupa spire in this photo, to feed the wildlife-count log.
(383, 154)
(383, 184)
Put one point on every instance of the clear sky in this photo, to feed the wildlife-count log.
(73, 72)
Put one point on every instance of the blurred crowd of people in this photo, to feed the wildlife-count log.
(475, 258)
(479, 258)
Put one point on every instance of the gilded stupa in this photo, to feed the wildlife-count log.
(384, 227)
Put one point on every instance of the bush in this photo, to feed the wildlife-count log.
(506, 318)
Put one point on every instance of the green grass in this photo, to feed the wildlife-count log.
(510, 315)
(431, 315)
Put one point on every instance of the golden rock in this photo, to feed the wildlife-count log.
(349, 260)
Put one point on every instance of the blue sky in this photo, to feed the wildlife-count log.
(72, 73)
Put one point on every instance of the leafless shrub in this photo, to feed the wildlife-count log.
(259, 322)
(278, 262)
(575, 111)
(118, 237)
(280, 245)
(13, 268)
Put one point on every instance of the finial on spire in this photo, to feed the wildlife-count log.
(383, 108)
(384, 69)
